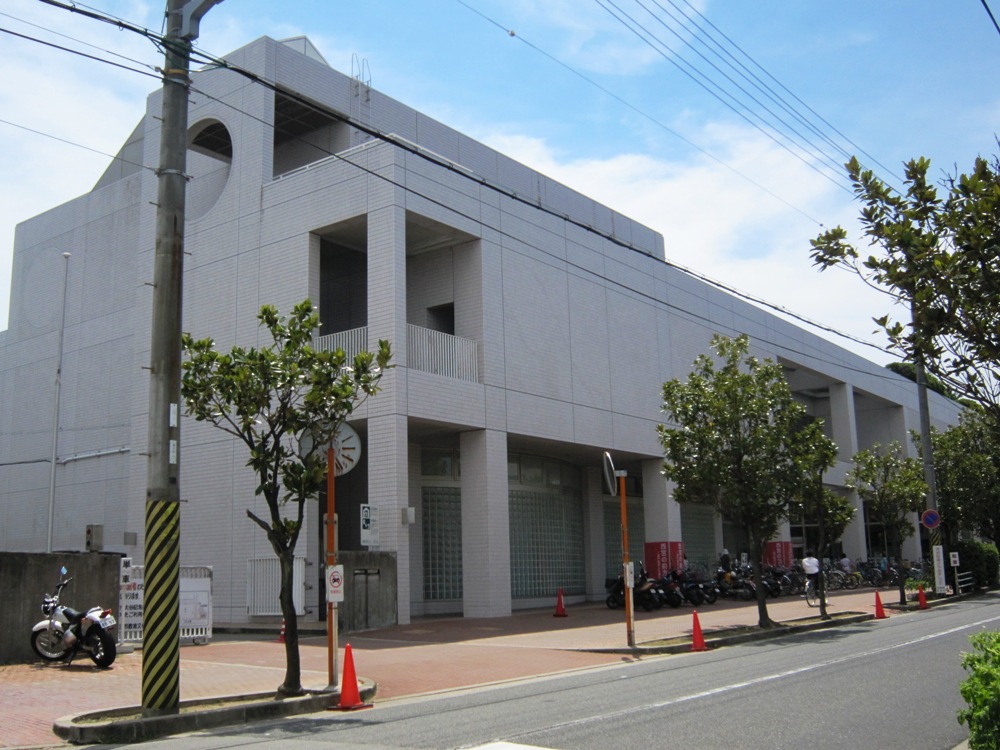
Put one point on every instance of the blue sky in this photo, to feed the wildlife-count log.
(577, 95)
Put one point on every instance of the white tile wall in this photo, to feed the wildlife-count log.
(577, 333)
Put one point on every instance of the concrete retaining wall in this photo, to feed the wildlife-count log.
(369, 590)
(26, 577)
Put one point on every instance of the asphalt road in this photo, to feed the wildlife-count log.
(892, 684)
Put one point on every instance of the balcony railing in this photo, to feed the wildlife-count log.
(427, 350)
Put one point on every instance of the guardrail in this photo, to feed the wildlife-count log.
(965, 581)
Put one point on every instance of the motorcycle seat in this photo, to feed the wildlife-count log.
(72, 615)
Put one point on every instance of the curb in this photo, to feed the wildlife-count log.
(120, 725)
(722, 639)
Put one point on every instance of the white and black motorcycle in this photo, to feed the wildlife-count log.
(66, 632)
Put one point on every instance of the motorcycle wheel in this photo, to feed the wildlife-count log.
(101, 647)
(612, 602)
(674, 599)
(711, 596)
(696, 597)
(48, 644)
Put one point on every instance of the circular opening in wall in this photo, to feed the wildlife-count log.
(209, 159)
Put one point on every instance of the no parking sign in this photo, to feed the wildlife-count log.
(335, 583)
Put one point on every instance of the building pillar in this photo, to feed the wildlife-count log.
(594, 542)
(661, 513)
(389, 492)
(387, 286)
(485, 524)
(388, 442)
(844, 426)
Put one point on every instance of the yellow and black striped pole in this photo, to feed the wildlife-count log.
(161, 610)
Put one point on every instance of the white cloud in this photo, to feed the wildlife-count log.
(68, 101)
(713, 220)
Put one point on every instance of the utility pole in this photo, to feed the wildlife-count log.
(161, 611)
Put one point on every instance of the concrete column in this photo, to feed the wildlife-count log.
(485, 524)
(843, 423)
(387, 281)
(662, 515)
(388, 490)
(593, 531)
(415, 533)
(388, 444)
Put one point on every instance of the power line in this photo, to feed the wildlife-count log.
(78, 41)
(857, 149)
(753, 119)
(514, 35)
(461, 171)
(114, 157)
(75, 52)
(990, 13)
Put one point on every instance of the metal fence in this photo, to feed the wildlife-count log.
(426, 350)
(195, 605)
(264, 586)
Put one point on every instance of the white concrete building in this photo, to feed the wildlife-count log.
(532, 330)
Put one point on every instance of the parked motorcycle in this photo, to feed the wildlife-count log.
(66, 632)
(645, 594)
(669, 591)
(694, 591)
(735, 586)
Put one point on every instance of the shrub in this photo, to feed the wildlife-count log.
(982, 559)
(981, 690)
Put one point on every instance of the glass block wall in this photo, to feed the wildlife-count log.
(546, 542)
(442, 521)
(613, 534)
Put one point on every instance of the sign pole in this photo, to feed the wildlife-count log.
(609, 482)
(331, 560)
(629, 620)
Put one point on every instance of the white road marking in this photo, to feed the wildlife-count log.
(722, 689)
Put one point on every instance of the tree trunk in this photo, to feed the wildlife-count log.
(756, 553)
(293, 671)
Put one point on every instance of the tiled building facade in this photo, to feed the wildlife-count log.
(532, 330)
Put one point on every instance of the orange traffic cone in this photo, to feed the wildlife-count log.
(879, 612)
(350, 697)
(697, 640)
(921, 599)
(281, 633)
(560, 607)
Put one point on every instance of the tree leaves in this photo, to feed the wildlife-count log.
(940, 257)
(740, 442)
(270, 398)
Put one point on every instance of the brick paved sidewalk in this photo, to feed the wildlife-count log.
(428, 655)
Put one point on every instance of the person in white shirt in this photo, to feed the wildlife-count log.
(810, 566)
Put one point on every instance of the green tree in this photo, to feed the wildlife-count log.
(892, 486)
(270, 398)
(939, 258)
(739, 443)
(967, 467)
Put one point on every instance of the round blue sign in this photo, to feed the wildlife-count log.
(930, 518)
